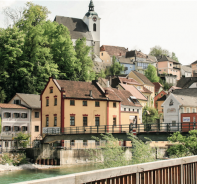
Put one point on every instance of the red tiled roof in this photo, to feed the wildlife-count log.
(79, 89)
(145, 90)
(128, 80)
(143, 78)
(124, 95)
(114, 50)
(11, 106)
(157, 86)
(134, 91)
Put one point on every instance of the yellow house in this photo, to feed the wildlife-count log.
(142, 79)
(67, 103)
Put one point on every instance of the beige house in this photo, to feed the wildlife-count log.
(148, 87)
(33, 103)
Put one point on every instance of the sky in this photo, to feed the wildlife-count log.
(139, 25)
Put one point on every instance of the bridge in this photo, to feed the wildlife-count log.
(173, 171)
(155, 132)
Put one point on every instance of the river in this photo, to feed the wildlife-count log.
(27, 175)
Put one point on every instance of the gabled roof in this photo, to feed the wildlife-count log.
(124, 95)
(186, 82)
(128, 80)
(135, 53)
(186, 92)
(187, 101)
(134, 91)
(77, 27)
(157, 86)
(166, 58)
(81, 90)
(143, 78)
(152, 58)
(194, 62)
(125, 60)
(186, 68)
(31, 100)
(11, 106)
(145, 90)
(163, 98)
(114, 50)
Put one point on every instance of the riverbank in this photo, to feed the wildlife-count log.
(8, 167)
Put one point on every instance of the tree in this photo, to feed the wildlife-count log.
(101, 74)
(151, 73)
(158, 51)
(22, 139)
(149, 115)
(184, 145)
(2, 95)
(116, 68)
(174, 57)
(85, 70)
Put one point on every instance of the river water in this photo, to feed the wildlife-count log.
(27, 175)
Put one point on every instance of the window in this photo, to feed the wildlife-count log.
(138, 110)
(7, 128)
(72, 120)
(85, 121)
(47, 102)
(114, 104)
(36, 128)
(97, 121)
(133, 110)
(161, 95)
(16, 115)
(85, 142)
(187, 109)
(72, 102)
(47, 121)
(97, 143)
(97, 104)
(16, 128)
(24, 128)
(102, 54)
(84, 103)
(36, 114)
(125, 109)
(7, 115)
(24, 115)
(6, 144)
(72, 142)
(94, 27)
(173, 123)
(194, 110)
(51, 90)
(17, 102)
(55, 101)
(55, 120)
(129, 109)
(114, 121)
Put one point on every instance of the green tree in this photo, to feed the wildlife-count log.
(116, 68)
(184, 145)
(22, 139)
(85, 71)
(151, 73)
(2, 95)
(158, 51)
(174, 57)
(101, 74)
(149, 115)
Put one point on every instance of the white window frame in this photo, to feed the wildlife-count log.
(188, 110)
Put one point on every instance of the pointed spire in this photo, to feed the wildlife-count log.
(91, 6)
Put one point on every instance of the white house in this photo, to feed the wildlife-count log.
(178, 102)
(14, 118)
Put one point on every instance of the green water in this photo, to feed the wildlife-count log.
(27, 175)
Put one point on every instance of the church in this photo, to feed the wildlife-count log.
(88, 27)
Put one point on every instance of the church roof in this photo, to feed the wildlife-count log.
(77, 27)
(114, 50)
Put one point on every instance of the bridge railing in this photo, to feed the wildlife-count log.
(125, 128)
(173, 171)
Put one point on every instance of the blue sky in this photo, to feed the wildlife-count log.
(135, 24)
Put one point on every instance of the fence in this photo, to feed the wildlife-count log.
(173, 171)
(128, 128)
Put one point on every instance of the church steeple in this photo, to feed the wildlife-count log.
(91, 6)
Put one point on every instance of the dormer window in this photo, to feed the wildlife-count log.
(134, 100)
(17, 102)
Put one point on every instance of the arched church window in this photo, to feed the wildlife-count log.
(94, 27)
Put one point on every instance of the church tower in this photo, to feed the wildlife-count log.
(92, 20)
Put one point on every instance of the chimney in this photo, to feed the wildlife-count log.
(62, 89)
(106, 93)
(107, 84)
(90, 93)
(110, 80)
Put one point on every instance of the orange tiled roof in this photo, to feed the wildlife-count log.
(11, 106)
(157, 86)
